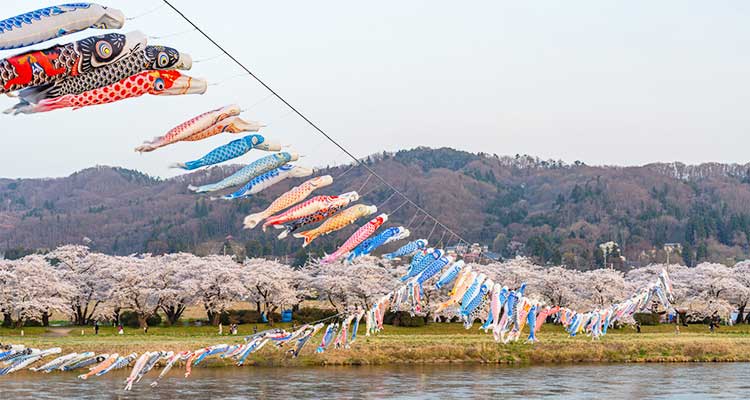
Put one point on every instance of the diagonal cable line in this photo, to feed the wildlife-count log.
(310, 122)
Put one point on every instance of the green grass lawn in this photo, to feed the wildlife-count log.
(435, 343)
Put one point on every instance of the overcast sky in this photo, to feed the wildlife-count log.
(605, 82)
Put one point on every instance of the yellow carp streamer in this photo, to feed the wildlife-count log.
(338, 221)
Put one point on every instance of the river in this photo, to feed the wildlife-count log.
(617, 381)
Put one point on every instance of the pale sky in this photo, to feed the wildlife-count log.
(605, 82)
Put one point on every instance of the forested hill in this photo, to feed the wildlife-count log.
(553, 211)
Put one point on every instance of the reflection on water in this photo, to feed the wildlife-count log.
(683, 381)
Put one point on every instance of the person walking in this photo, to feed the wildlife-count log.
(96, 327)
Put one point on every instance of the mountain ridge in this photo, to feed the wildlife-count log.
(548, 209)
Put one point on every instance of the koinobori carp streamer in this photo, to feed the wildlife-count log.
(248, 172)
(140, 60)
(355, 239)
(40, 67)
(268, 179)
(190, 127)
(230, 151)
(337, 222)
(158, 83)
(52, 22)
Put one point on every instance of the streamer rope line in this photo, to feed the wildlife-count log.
(143, 14)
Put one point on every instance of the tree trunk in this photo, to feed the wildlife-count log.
(142, 321)
(330, 300)
(213, 317)
(269, 314)
(173, 313)
(78, 316)
(45, 318)
(740, 315)
(216, 319)
(7, 320)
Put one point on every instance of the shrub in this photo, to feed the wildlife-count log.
(240, 317)
(310, 314)
(646, 318)
(32, 322)
(405, 319)
(130, 319)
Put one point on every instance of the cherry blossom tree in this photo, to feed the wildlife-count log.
(138, 283)
(555, 285)
(219, 286)
(600, 287)
(90, 276)
(180, 278)
(31, 290)
(741, 273)
(715, 289)
(352, 286)
(272, 284)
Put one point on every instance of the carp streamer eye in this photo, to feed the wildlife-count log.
(103, 49)
(159, 84)
(162, 60)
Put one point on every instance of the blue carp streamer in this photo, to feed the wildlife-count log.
(231, 150)
(249, 172)
(387, 236)
(407, 249)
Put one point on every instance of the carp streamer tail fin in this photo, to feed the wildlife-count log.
(179, 165)
(252, 220)
(53, 104)
(308, 237)
(145, 148)
(191, 165)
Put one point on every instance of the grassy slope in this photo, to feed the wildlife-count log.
(436, 343)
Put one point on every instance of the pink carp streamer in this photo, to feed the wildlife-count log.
(190, 127)
(358, 237)
(317, 203)
(229, 125)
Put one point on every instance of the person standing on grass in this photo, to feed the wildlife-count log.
(221, 329)
(96, 327)
(120, 331)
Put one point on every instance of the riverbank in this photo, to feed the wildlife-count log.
(432, 344)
